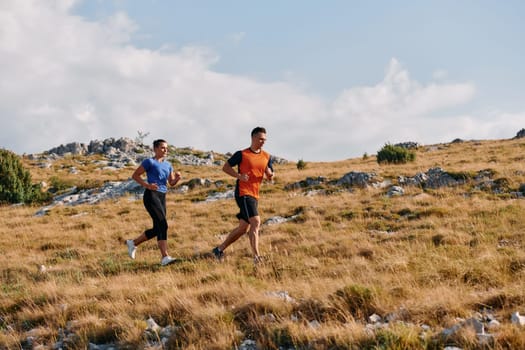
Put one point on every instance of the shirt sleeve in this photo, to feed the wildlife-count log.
(270, 163)
(146, 164)
(235, 159)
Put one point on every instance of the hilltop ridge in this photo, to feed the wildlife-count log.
(358, 255)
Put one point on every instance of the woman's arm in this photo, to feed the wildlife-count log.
(174, 178)
(137, 176)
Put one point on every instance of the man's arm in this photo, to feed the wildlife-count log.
(228, 169)
(269, 170)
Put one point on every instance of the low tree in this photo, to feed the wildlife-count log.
(15, 181)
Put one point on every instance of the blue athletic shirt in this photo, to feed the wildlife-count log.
(157, 172)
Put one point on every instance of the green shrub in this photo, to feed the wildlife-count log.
(15, 181)
(301, 164)
(395, 154)
(59, 185)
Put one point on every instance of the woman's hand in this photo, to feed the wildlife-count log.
(174, 178)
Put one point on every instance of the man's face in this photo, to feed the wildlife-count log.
(258, 140)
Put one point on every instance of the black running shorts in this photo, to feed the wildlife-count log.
(247, 206)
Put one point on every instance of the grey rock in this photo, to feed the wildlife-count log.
(308, 182)
(374, 318)
(408, 145)
(520, 134)
(517, 319)
(220, 195)
(395, 191)
(359, 179)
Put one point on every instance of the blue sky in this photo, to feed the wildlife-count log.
(329, 80)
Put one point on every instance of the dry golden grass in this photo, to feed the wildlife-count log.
(427, 257)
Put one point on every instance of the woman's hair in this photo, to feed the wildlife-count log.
(157, 143)
(258, 130)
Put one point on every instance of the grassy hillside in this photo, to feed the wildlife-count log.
(421, 260)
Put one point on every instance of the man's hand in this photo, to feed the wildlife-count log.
(269, 174)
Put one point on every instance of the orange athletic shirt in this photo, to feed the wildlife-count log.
(253, 164)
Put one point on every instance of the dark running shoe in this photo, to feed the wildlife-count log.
(219, 254)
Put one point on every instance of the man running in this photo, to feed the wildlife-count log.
(252, 165)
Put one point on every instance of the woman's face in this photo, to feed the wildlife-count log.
(161, 150)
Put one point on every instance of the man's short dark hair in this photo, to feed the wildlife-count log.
(258, 130)
(157, 143)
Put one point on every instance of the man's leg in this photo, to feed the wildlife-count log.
(235, 234)
(255, 223)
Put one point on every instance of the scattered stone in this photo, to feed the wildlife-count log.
(248, 344)
(308, 182)
(516, 318)
(152, 325)
(281, 295)
(197, 182)
(476, 324)
(493, 324)
(374, 318)
(274, 220)
(382, 184)
(314, 324)
(395, 191)
(268, 318)
(220, 195)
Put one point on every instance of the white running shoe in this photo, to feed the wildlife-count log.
(167, 260)
(131, 248)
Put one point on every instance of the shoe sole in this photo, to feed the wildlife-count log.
(171, 262)
(131, 253)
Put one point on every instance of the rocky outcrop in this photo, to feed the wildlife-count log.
(107, 146)
(408, 145)
(358, 179)
(520, 134)
(308, 182)
(434, 178)
(125, 151)
(109, 190)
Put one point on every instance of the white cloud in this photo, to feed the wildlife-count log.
(237, 38)
(440, 74)
(65, 79)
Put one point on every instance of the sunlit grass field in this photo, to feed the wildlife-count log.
(425, 258)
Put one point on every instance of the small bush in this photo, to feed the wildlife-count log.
(59, 185)
(358, 299)
(301, 164)
(395, 154)
(15, 181)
